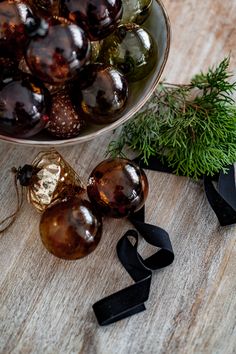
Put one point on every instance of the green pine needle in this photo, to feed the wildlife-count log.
(192, 126)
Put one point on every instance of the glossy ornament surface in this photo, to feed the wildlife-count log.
(100, 94)
(53, 180)
(98, 18)
(16, 20)
(132, 50)
(24, 105)
(64, 121)
(71, 230)
(46, 7)
(136, 11)
(57, 56)
(8, 68)
(117, 187)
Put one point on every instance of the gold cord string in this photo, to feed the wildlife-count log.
(9, 220)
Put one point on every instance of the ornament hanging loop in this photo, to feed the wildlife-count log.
(9, 220)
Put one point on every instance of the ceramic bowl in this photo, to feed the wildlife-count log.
(159, 26)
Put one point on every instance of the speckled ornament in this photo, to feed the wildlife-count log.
(64, 120)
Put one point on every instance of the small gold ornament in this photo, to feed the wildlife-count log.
(53, 180)
(47, 181)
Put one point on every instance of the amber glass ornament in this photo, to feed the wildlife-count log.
(132, 50)
(46, 7)
(58, 55)
(71, 230)
(16, 22)
(8, 68)
(100, 94)
(98, 18)
(117, 187)
(136, 11)
(50, 180)
(24, 105)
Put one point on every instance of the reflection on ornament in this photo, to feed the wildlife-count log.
(98, 18)
(24, 105)
(71, 230)
(136, 11)
(117, 187)
(52, 180)
(16, 20)
(100, 93)
(58, 55)
(132, 50)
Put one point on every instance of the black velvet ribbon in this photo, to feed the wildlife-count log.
(131, 300)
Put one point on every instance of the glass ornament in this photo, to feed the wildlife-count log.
(98, 18)
(16, 24)
(8, 68)
(64, 121)
(58, 55)
(71, 230)
(49, 180)
(117, 187)
(100, 93)
(132, 50)
(24, 106)
(46, 7)
(136, 11)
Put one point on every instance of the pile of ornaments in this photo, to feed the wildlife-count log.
(68, 63)
(71, 224)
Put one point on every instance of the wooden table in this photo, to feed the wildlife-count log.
(46, 302)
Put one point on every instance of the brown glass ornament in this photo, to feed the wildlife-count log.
(16, 22)
(46, 7)
(98, 18)
(53, 180)
(8, 68)
(71, 230)
(100, 94)
(117, 187)
(24, 107)
(65, 121)
(58, 55)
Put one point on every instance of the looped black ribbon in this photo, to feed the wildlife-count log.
(130, 300)
(222, 197)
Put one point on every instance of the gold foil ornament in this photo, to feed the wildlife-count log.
(53, 180)
(47, 181)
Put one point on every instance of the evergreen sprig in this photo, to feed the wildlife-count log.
(193, 127)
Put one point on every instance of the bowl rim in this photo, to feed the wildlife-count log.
(114, 125)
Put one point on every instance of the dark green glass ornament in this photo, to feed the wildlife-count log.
(132, 50)
(136, 11)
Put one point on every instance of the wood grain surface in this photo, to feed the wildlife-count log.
(45, 303)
